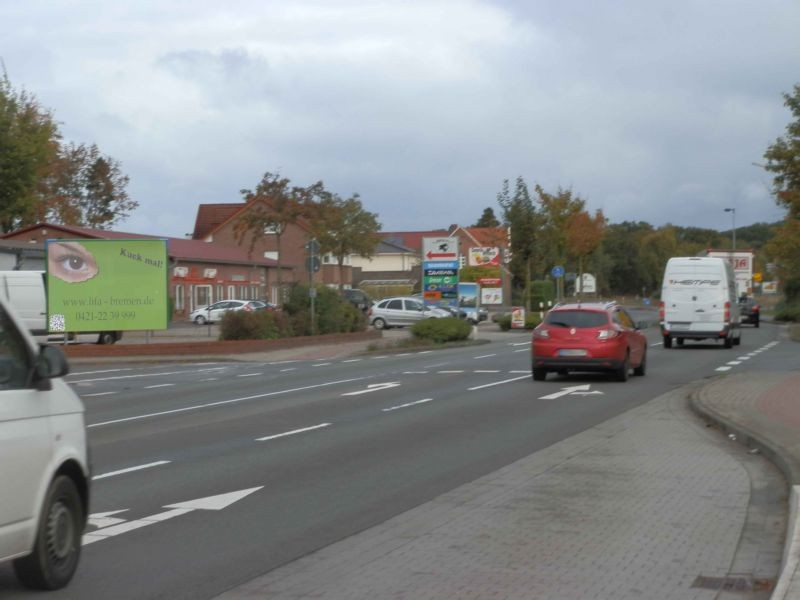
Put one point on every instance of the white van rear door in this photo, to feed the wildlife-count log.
(696, 297)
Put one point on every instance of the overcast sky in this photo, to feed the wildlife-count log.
(648, 110)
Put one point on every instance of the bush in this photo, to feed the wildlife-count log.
(448, 329)
(254, 325)
(788, 312)
(332, 313)
(531, 321)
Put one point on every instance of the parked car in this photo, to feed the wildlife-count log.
(401, 312)
(44, 467)
(264, 305)
(750, 310)
(215, 312)
(588, 337)
(358, 298)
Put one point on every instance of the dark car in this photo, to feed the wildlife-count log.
(750, 311)
(588, 337)
(357, 298)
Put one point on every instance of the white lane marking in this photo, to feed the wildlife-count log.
(353, 360)
(407, 405)
(734, 362)
(131, 469)
(657, 344)
(480, 387)
(218, 502)
(404, 354)
(723, 368)
(100, 372)
(104, 519)
(223, 402)
(160, 385)
(512, 372)
(523, 350)
(130, 376)
(322, 364)
(575, 389)
(449, 372)
(484, 356)
(282, 362)
(249, 374)
(289, 369)
(210, 379)
(378, 357)
(424, 351)
(293, 432)
(743, 358)
(374, 387)
(97, 394)
(528, 343)
(486, 371)
(415, 372)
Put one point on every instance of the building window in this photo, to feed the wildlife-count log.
(220, 291)
(179, 300)
(231, 292)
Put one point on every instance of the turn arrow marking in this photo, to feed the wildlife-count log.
(580, 390)
(374, 387)
(119, 526)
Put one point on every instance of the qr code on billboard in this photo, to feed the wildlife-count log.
(57, 323)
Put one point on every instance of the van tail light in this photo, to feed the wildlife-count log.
(727, 315)
(607, 334)
(661, 311)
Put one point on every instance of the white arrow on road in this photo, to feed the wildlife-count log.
(119, 526)
(104, 519)
(581, 390)
(374, 387)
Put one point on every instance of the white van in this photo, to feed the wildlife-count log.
(698, 301)
(44, 470)
(26, 292)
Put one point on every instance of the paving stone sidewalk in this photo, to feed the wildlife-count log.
(650, 504)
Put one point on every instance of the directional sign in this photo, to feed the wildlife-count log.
(439, 248)
(578, 390)
(111, 526)
(374, 387)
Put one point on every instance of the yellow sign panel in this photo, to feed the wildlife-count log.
(757, 277)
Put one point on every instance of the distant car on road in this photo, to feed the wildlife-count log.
(750, 310)
(215, 312)
(588, 337)
(402, 312)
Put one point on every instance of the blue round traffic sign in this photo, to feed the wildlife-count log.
(557, 271)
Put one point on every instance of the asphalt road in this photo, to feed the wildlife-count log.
(218, 473)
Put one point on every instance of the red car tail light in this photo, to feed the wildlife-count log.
(607, 334)
(543, 334)
(756, 308)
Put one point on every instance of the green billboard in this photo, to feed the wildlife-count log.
(102, 285)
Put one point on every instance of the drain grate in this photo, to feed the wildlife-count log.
(734, 583)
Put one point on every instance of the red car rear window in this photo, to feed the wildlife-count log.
(576, 318)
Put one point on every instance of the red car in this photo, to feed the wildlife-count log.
(588, 337)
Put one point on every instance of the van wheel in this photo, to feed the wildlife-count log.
(58, 539)
(107, 337)
(667, 341)
(728, 341)
(379, 324)
(738, 340)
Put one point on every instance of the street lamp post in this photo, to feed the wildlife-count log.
(733, 235)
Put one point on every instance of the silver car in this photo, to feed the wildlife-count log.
(401, 312)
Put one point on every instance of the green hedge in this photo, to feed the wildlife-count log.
(254, 325)
(788, 312)
(449, 329)
(531, 321)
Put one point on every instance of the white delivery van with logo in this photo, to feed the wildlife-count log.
(698, 301)
(44, 471)
(26, 292)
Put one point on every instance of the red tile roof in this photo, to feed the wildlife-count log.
(177, 248)
(211, 216)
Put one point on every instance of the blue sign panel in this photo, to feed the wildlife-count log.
(440, 264)
(557, 272)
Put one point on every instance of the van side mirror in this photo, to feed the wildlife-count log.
(51, 362)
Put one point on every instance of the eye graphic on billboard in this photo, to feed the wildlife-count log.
(100, 285)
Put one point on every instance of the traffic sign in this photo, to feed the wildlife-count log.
(440, 248)
(312, 264)
(558, 271)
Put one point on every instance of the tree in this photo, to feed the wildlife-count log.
(342, 227)
(584, 235)
(28, 143)
(783, 159)
(487, 219)
(272, 206)
(86, 189)
(519, 214)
